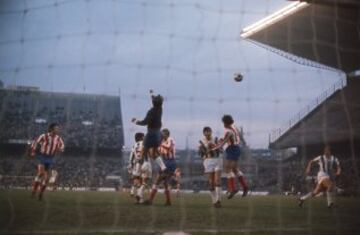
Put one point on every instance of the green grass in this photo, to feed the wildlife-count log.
(114, 213)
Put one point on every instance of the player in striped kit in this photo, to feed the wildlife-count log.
(135, 162)
(50, 144)
(233, 140)
(140, 169)
(167, 152)
(213, 165)
(329, 168)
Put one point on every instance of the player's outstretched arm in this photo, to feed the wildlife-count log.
(221, 142)
(143, 122)
(36, 142)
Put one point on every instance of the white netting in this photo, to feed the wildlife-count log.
(186, 50)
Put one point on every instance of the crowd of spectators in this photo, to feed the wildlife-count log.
(87, 121)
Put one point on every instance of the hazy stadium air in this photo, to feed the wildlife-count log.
(188, 51)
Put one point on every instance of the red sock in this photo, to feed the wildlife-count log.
(243, 182)
(167, 194)
(35, 185)
(231, 184)
(152, 194)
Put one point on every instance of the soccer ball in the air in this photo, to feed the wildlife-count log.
(238, 77)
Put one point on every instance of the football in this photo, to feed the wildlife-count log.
(238, 77)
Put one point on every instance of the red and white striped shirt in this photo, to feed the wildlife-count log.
(234, 135)
(167, 148)
(49, 144)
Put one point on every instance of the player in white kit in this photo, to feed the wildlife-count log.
(213, 165)
(329, 168)
(135, 162)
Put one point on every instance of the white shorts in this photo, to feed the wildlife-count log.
(146, 170)
(136, 171)
(213, 164)
(52, 179)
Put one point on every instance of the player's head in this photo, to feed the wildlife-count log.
(157, 101)
(139, 136)
(327, 150)
(54, 128)
(165, 133)
(207, 132)
(227, 120)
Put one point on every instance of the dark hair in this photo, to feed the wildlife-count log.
(207, 128)
(227, 120)
(139, 136)
(52, 126)
(157, 101)
(165, 130)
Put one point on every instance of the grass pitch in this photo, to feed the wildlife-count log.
(115, 213)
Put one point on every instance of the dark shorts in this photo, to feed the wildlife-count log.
(233, 152)
(170, 166)
(152, 139)
(45, 160)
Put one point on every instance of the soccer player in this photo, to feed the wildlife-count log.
(329, 168)
(233, 140)
(135, 162)
(50, 144)
(212, 165)
(167, 151)
(146, 175)
(152, 139)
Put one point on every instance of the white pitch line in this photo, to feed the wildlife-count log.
(152, 231)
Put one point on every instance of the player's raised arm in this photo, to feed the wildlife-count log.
(151, 92)
(131, 158)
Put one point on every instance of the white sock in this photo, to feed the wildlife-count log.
(329, 198)
(160, 162)
(306, 196)
(239, 173)
(230, 175)
(132, 190)
(140, 192)
(218, 191)
(37, 179)
(213, 196)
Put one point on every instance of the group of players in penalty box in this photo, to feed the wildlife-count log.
(158, 146)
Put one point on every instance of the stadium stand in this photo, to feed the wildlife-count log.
(334, 117)
(88, 121)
